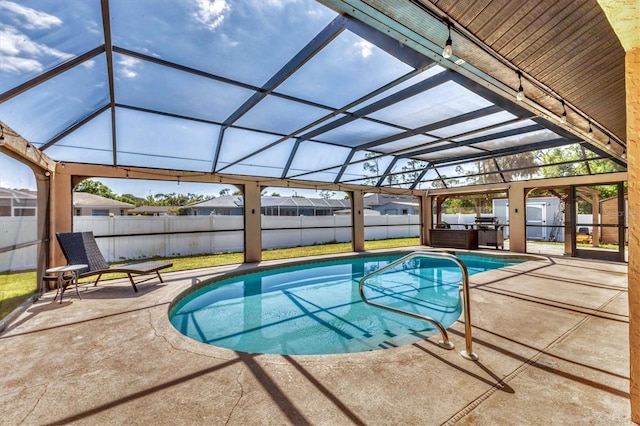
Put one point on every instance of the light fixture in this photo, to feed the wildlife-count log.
(624, 153)
(609, 144)
(564, 113)
(590, 132)
(448, 49)
(520, 96)
(1, 133)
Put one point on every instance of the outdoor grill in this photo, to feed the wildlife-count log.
(490, 232)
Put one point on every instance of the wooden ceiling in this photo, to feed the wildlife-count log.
(567, 46)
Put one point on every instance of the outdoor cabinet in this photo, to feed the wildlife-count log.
(491, 236)
(454, 238)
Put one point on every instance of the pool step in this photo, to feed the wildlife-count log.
(388, 340)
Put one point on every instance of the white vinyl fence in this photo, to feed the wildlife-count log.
(173, 236)
(13, 232)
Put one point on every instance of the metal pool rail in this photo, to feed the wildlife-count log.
(468, 352)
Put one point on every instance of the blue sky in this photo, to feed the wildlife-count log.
(237, 53)
(18, 176)
(242, 40)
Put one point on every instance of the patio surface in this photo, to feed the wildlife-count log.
(552, 337)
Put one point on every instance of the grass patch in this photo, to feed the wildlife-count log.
(16, 287)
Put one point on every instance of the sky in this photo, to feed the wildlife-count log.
(15, 175)
(36, 37)
(166, 118)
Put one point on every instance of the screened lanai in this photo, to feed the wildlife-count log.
(357, 96)
(350, 97)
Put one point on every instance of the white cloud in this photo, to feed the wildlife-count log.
(211, 12)
(89, 64)
(228, 41)
(129, 66)
(365, 48)
(16, 65)
(33, 19)
(19, 53)
(275, 4)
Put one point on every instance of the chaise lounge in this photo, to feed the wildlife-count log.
(81, 248)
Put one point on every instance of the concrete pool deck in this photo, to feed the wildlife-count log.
(552, 337)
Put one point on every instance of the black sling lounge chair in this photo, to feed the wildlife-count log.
(81, 248)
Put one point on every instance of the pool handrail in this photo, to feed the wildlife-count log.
(468, 352)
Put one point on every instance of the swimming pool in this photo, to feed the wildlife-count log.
(315, 308)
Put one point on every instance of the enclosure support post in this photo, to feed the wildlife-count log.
(357, 220)
(633, 154)
(60, 211)
(517, 219)
(43, 218)
(252, 223)
(426, 219)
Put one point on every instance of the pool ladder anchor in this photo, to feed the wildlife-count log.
(444, 343)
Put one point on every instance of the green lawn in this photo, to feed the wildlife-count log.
(16, 287)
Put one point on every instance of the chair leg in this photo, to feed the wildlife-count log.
(133, 284)
(159, 277)
(98, 279)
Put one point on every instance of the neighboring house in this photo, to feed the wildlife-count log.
(86, 204)
(154, 211)
(270, 206)
(18, 203)
(297, 206)
(392, 204)
(227, 205)
(367, 212)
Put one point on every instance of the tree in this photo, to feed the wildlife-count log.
(412, 170)
(97, 188)
(238, 192)
(574, 154)
(274, 194)
(525, 163)
(132, 199)
(326, 194)
(458, 205)
(224, 192)
(371, 168)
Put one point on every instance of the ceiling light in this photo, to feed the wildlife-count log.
(590, 132)
(520, 96)
(448, 49)
(564, 113)
(609, 144)
(624, 153)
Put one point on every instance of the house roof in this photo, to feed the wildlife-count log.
(375, 199)
(227, 201)
(16, 194)
(88, 200)
(234, 201)
(304, 202)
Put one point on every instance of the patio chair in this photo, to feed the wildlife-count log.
(81, 248)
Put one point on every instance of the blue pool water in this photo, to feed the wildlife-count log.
(315, 308)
